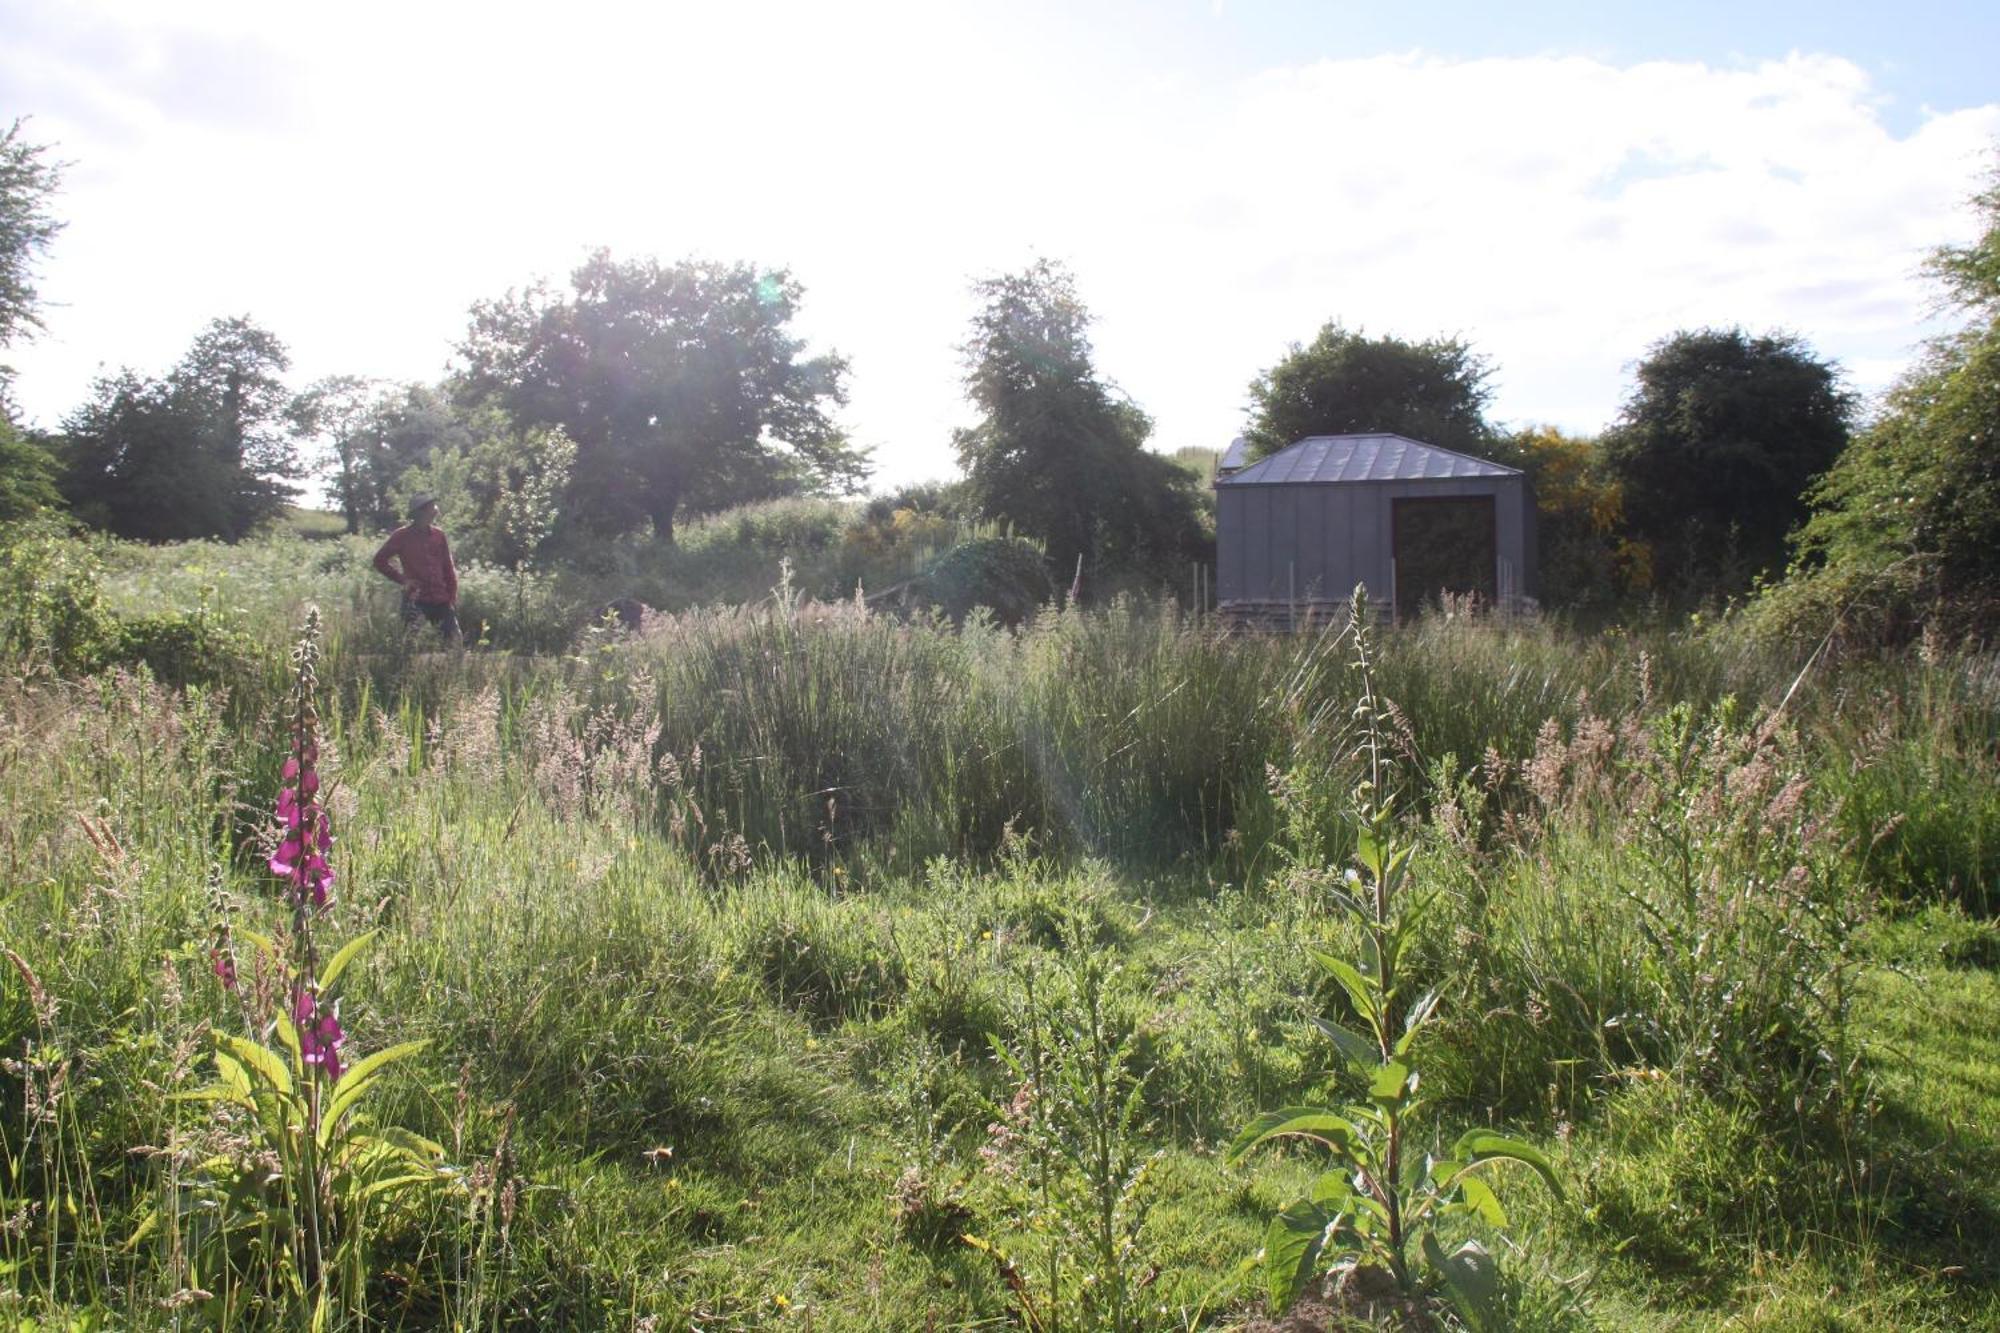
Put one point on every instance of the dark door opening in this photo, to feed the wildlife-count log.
(1443, 546)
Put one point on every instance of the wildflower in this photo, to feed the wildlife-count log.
(320, 1033)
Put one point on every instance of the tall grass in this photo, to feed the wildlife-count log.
(708, 928)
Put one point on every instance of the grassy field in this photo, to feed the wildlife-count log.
(762, 958)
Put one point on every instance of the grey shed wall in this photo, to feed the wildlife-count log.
(1337, 534)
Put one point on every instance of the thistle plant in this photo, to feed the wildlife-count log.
(1380, 1202)
(293, 1193)
(1069, 1148)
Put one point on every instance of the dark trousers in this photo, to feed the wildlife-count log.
(441, 614)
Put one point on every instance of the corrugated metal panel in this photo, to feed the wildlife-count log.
(1330, 459)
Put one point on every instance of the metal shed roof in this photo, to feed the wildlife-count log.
(1326, 459)
(1235, 456)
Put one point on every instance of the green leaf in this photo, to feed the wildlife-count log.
(1310, 1122)
(288, 1037)
(1368, 851)
(1333, 1191)
(1420, 1013)
(256, 1057)
(396, 1184)
(411, 1143)
(1483, 1145)
(1358, 1049)
(331, 972)
(1392, 1084)
(1358, 989)
(1470, 1276)
(235, 1080)
(355, 1081)
(1292, 1245)
(147, 1226)
(1479, 1197)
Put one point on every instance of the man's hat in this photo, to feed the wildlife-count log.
(420, 503)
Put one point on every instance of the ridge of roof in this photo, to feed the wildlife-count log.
(1363, 456)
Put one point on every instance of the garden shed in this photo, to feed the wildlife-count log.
(1296, 531)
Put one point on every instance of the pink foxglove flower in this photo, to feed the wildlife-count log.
(320, 1033)
(300, 859)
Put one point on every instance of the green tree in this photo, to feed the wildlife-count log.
(367, 435)
(28, 475)
(208, 451)
(1714, 450)
(1344, 382)
(1907, 523)
(27, 182)
(681, 387)
(1060, 453)
(499, 489)
(329, 415)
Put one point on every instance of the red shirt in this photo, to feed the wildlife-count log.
(425, 557)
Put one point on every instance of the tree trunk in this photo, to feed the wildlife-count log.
(661, 509)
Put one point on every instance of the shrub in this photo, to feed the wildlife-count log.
(52, 611)
(183, 649)
(1005, 575)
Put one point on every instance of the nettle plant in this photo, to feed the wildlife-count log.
(287, 1200)
(1379, 1204)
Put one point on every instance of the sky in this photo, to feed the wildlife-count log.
(1560, 185)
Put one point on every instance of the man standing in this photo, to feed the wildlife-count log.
(422, 566)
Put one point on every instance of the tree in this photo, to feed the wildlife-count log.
(370, 435)
(1344, 382)
(499, 490)
(680, 387)
(205, 452)
(1060, 453)
(28, 475)
(1715, 448)
(27, 182)
(329, 415)
(1906, 524)
(1584, 560)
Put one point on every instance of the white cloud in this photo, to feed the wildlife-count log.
(356, 186)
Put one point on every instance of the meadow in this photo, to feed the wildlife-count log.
(790, 963)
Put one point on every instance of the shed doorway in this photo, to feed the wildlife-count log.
(1443, 546)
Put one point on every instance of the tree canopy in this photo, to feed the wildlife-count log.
(1060, 453)
(205, 452)
(1715, 447)
(370, 436)
(28, 180)
(1585, 561)
(1907, 522)
(28, 475)
(681, 387)
(1344, 382)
